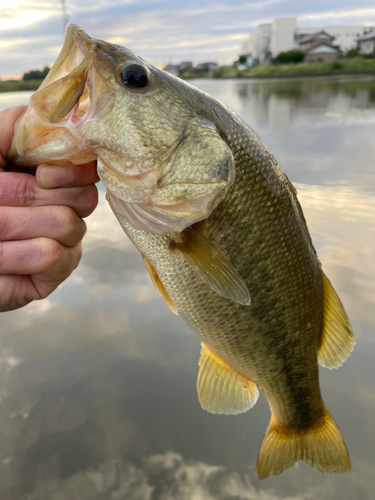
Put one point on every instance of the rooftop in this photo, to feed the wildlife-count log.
(309, 38)
(368, 36)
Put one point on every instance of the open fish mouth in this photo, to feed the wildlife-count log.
(65, 93)
(63, 103)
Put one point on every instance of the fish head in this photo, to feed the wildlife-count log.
(165, 165)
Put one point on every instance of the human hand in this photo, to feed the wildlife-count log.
(41, 224)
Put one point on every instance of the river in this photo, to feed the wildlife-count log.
(98, 381)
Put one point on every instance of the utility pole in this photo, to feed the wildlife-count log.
(65, 15)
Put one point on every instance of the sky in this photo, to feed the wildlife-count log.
(161, 31)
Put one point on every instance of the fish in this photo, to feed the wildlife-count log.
(220, 230)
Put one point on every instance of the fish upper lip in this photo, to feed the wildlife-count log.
(81, 38)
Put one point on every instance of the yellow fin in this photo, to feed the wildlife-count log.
(213, 268)
(220, 388)
(320, 446)
(159, 285)
(337, 340)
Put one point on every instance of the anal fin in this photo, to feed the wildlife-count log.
(321, 446)
(159, 285)
(337, 340)
(220, 388)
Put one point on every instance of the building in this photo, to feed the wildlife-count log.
(322, 52)
(172, 68)
(366, 43)
(345, 36)
(283, 35)
(318, 47)
(208, 65)
(257, 47)
(311, 41)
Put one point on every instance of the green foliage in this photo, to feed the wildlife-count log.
(352, 53)
(290, 57)
(226, 72)
(17, 85)
(336, 65)
(358, 64)
(36, 74)
(241, 60)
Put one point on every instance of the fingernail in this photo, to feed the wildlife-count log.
(53, 176)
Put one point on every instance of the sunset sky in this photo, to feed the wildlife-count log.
(162, 31)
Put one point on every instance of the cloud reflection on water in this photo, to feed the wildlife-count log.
(96, 377)
(97, 382)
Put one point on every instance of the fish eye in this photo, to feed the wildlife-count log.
(134, 76)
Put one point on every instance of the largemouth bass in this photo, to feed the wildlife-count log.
(220, 230)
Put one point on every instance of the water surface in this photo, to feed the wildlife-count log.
(97, 382)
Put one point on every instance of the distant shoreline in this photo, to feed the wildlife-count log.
(295, 75)
(19, 86)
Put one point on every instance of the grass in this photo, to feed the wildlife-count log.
(356, 65)
(17, 85)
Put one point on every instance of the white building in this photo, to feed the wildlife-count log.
(258, 44)
(283, 34)
(366, 43)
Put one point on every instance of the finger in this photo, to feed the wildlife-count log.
(22, 190)
(18, 290)
(15, 292)
(69, 175)
(38, 256)
(8, 122)
(59, 223)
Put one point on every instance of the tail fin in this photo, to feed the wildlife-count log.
(320, 446)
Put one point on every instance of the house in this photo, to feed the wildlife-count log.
(318, 46)
(172, 68)
(186, 65)
(208, 65)
(366, 43)
(310, 41)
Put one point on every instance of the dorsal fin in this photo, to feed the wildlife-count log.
(159, 285)
(213, 268)
(220, 388)
(337, 340)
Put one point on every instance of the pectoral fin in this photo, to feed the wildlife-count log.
(213, 268)
(159, 285)
(337, 340)
(220, 388)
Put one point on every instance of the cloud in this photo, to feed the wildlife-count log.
(162, 32)
(340, 15)
(170, 476)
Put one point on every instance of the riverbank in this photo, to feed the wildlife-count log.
(357, 66)
(17, 85)
(352, 66)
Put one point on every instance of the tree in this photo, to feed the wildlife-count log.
(352, 53)
(292, 56)
(36, 74)
(241, 60)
